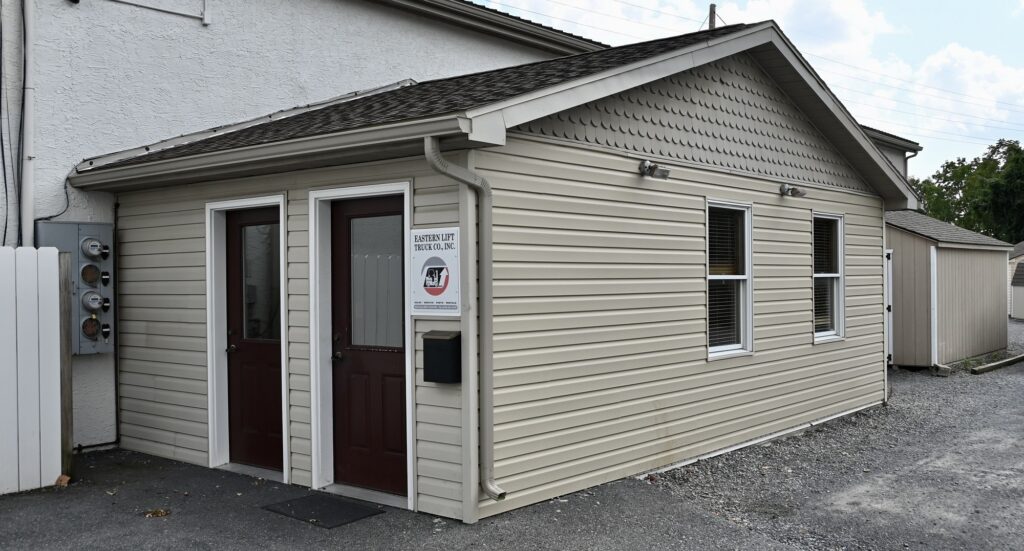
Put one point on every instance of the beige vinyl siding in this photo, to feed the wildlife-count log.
(162, 334)
(911, 297)
(972, 306)
(600, 345)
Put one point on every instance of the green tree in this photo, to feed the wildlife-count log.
(985, 195)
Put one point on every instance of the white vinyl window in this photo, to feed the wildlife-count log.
(729, 286)
(828, 276)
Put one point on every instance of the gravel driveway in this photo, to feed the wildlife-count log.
(941, 467)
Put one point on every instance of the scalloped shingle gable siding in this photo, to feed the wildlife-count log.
(727, 114)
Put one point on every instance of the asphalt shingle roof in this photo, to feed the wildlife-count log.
(431, 98)
(929, 227)
(1018, 276)
(1018, 250)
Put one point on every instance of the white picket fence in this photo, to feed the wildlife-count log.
(30, 368)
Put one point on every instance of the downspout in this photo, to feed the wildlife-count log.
(485, 252)
(27, 213)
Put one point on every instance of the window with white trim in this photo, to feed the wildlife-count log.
(828, 276)
(729, 290)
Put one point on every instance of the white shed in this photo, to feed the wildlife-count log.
(948, 302)
(1017, 293)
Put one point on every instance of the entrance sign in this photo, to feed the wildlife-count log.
(435, 272)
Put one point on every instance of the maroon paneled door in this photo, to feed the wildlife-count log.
(368, 349)
(254, 336)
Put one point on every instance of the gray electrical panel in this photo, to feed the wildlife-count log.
(92, 280)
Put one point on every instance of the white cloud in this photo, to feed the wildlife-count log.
(986, 91)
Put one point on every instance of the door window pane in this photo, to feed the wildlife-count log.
(377, 297)
(262, 280)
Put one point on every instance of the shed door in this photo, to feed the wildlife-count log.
(254, 337)
(368, 345)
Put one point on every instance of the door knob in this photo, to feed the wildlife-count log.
(231, 348)
(337, 356)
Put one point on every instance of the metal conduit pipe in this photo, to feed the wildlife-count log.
(27, 215)
(485, 248)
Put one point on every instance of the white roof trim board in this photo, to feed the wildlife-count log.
(488, 123)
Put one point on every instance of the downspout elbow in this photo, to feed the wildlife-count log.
(485, 244)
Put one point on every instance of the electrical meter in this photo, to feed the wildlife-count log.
(92, 315)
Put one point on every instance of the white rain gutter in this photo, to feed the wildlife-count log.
(28, 129)
(485, 247)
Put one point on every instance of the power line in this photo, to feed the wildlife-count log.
(914, 82)
(509, 7)
(920, 93)
(612, 16)
(956, 137)
(883, 75)
(856, 91)
(978, 140)
(891, 110)
(662, 12)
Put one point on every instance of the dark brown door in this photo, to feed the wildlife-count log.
(368, 343)
(254, 337)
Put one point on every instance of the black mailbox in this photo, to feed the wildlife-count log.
(442, 357)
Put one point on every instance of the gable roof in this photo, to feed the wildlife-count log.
(477, 110)
(1018, 276)
(496, 22)
(1018, 250)
(937, 230)
(430, 98)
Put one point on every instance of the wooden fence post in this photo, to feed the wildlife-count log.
(66, 409)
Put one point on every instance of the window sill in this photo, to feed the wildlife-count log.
(822, 339)
(723, 354)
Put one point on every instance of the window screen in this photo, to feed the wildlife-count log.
(728, 278)
(827, 276)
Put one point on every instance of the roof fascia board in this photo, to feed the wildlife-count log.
(495, 23)
(268, 154)
(540, 103)
(845, 118)
(892, 141)
(949, 245)
(891, 226)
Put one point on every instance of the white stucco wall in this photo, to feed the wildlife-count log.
(110, 76)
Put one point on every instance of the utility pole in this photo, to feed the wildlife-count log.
(711, 17)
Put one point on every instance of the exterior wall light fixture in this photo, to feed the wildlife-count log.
(647, 168)
(791, 191)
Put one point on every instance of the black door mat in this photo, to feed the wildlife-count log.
(324, 511)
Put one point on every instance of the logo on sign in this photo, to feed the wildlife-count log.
(435, 276)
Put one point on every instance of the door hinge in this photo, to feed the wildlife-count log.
(888, 256)
(888, 308)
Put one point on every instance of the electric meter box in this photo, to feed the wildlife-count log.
(92, 280)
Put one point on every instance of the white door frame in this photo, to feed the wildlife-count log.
(216, 322)
(320, 368)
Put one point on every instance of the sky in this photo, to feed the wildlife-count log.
(945, 74)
